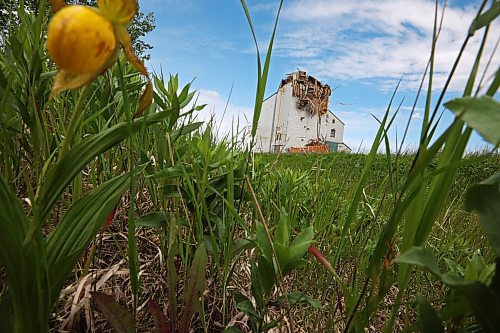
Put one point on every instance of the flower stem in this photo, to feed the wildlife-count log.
(75, 120)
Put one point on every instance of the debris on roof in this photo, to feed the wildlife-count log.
(312, 94)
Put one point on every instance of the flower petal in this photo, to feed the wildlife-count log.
(126, 42)
(118, 11)
(146, 99)
(65, 81)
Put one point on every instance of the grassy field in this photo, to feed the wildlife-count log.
(318, 189)
(119, 211)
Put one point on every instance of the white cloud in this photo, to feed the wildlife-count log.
(228, 117)
(263, 7)
(366, 39)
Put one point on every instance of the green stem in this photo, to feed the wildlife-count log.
(75, 120)
(132, 242)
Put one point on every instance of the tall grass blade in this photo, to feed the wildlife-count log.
(262, 73)
(80, 155)
(353, 207)
(485, 18)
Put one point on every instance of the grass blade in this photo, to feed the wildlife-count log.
(75, 160)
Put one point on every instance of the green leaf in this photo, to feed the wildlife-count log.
(172, 172)
(245, 305)
(272, 324)
(27, 302)
(14, 224)
(257, 287)
(240, 246)
(186, 129)
(485, 302)
(484, 198)
(298, 248)
(118, 317)
(485, 18)
(282, 232)
(495, 281)
(281, 254)
(266, 274)
(232, 329)
(63, 172)
(458, 308)
(152, 220)
(300, 298)
(262, 73)
(195, 287)
(474, 268)
(421, 257)
(263, 242)
(479, 113)
(428, 319)
(67, 243)
(6, 312)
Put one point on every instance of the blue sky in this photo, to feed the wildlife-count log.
(361, 48)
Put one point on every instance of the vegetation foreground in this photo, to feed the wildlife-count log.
(120, 212)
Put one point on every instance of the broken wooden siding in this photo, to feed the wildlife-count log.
(312, 95)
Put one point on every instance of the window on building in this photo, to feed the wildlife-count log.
(333, 120)
(332, 132)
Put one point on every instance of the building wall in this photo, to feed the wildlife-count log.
(263, 135)
(272, 131)
(344, 147)
(331, 122)
(282, 124)
(302, 126)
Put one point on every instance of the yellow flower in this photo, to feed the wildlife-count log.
(83, 42)
(118, 11)
(80, 41)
